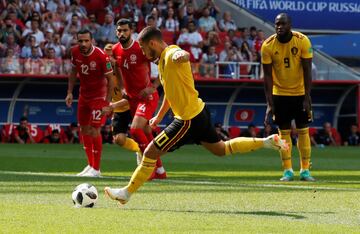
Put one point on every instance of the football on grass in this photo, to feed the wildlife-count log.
(85, 195)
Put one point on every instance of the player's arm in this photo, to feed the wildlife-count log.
(107, 110)
(151, 89)
(180, 56)
(110, 85)
(71, 84)
(306, 64)
(119, 78)
(165, 106)
(268, 86)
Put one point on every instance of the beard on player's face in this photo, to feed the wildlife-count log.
(123, 40)
(85, 49)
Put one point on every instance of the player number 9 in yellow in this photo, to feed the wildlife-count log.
(287, 62)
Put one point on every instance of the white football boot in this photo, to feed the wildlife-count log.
(121, 195)
(92, 173)
(85, 170)
(275, 142)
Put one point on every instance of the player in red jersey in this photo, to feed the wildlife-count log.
(94, 69)
(134, 69)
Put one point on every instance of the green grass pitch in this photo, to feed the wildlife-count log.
(203, 194)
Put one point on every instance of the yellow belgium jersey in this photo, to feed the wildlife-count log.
(178, 84)
(116, 95)
(287, 72)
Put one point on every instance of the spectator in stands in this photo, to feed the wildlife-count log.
(244, 36)
(131, 10)
(246, 56)
(226, 23)
(52, 5)
(354, 137)
(10, 44)
(72, 133)
(22, 133)
(212, 39)
(107, 32)
(156, 15)
(260, 38)
(10, 64)
(52, 65)
(36, 5)
(325, 136)
(207, 64)
(171, 22)
(221, 132)
(13, 15)
(59, 16)
(34, 15)
(68, 37)
(213, 9)
(164, 6)
(57, 46)
(191, 40)
(34, 64)
(151, 21)
(187, 16)
(49, 23)
(9, 28)
(93, 26)
(251, 131)
(75, 21)
(53, 138)
(147, 7)
(76, 8)
(34, 31)
(106, 134)
(229, 54)
(26, 50)
(252, 36)
(206, 22)
(267, 131)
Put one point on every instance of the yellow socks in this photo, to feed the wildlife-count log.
(131, 145)
(286, 154)
(243, 145)
(304, 147)
(141, 174)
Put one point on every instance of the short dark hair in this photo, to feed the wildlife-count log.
(55, 131)
(124, 21)
(149, 33)
(85, 31)
(23, 118)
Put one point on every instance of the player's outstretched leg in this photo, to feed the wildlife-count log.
(127, 143)
(138, 178)
(304, 146)
(159, 171)
(247, 144)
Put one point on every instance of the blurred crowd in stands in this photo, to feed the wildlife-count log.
(27, 133)
(36, 35)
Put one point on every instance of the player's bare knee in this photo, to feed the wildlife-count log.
(151, 151)
(219, 152)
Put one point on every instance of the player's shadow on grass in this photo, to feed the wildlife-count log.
(259, 213)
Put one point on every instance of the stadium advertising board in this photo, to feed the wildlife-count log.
(338, 15)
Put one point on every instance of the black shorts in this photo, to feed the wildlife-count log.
(181, 132)
(287, 108)
(120, 122)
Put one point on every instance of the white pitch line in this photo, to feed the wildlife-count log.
(194, 182)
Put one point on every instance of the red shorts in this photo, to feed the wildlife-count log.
(89, 112)
(144, 108)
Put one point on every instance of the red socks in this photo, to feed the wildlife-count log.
(139, 136)
(88, 147)
(97, 144)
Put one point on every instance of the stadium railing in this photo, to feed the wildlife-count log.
(237, 70)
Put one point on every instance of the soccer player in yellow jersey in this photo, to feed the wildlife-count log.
(192, 122)
(121, 115)
(286, 57)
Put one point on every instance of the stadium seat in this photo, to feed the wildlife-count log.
(312, 131)
(7, 133)
(168, 37)
(234, 131)
(336, 135)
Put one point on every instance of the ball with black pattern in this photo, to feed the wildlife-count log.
(85, 195)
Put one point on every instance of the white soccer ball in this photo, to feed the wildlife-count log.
(85, 195)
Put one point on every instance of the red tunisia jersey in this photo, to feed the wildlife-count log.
(134, 66)
(91, 69)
